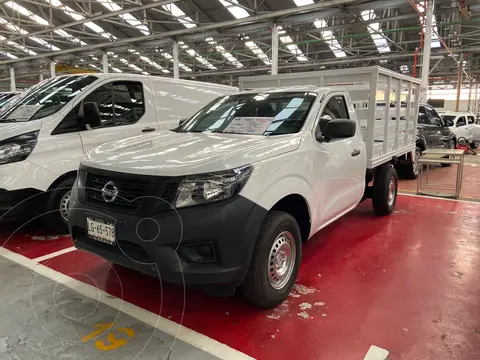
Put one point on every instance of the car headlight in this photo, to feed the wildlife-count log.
(207, 188)
(17, 148)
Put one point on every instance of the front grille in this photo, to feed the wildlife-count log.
(135, 192)
(130, 191)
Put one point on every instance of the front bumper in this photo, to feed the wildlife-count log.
(18, 203)
(175, 248)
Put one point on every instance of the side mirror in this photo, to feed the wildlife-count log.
(91, 115)
(182, 121)
(339, 129)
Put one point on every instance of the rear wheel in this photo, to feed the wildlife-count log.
(412, 169)
(385, 189)
(58, 206)
(275, 262)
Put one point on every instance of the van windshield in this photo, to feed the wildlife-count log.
(45, 98)
(254, 114)
(448, 120)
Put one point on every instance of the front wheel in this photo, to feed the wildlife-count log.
(385, 189)
(275, 262)
(412, 169)
(450, 145)
(474, 145)
(58, 206)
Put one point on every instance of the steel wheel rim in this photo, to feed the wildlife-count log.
(64, 205)
(391, 191)
(281, 260)
(417, 164)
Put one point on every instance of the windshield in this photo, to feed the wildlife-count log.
(255, 114)
(45, 98)
(449, 120)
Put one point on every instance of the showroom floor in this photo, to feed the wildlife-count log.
(407, 283)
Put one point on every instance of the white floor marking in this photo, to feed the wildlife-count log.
(189, 336)
(56, 253)
(376, 353)
(438, 198)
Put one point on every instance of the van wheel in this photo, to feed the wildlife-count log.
(412, 169)
(275, 262)
(385, 189)
(57, 206)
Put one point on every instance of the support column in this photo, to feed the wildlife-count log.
(469, 105)
(105, 63)
(476, 100)
(459, 82)
(40, 77)
(52, 69)
(274, 50)
(427, 48)
(13, 85)
(176, 62)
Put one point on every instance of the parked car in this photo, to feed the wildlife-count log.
(462, 125)
(48, 129)
(5, 97)
(227, 198)
(432, 132)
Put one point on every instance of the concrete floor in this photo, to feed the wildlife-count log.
(41, 319)
(407, 283)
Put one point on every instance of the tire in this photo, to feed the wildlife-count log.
(412, 169)
(260, 286)
(386, 181)
(451, 145)
(474, 145)
(55, 202)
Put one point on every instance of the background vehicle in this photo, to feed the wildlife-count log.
(432, 132)
(46, 131)
(264, 170)
(462, 125)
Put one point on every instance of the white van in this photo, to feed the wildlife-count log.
(462, 124)
(46, 132)
(227, 199)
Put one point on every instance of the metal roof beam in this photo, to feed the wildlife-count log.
(93, 18)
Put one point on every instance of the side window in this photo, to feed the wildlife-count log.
(128, 103)
(461, 121)
(336, 109)
(422, 115)
(471, 120)
(434, 118)
(120, 102)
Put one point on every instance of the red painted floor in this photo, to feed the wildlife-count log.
(447, 177)
(408, 283)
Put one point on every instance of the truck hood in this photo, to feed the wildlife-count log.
(168, 153)
(12, 129)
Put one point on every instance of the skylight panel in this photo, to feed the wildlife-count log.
(194, 54)
(330, 39)
(7, 54)
(303, 2)
(115, 69)
(435, 40)
(375, 32)
(21, 31)
(180, 15)
(129, 18)
(236, 11)
(294, 49)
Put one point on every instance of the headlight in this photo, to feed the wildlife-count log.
(206, 188)
(17, 148)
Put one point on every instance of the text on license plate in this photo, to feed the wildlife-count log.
(100, 230)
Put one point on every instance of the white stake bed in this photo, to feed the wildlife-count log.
(386, 104)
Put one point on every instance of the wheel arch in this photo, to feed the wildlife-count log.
(297, 206)
(60, 179)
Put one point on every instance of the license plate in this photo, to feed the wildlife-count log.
(101, 230)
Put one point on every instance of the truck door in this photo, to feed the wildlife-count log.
(124, 112)
(435, 125)
(461, 128)
(340, 165)
(470, 127)
(427, 127)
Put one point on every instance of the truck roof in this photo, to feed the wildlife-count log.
(141, 76)
(303, 88)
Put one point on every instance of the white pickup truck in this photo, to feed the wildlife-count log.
(227, 199)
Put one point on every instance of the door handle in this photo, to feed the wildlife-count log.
(356, 152)
(148, 129)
